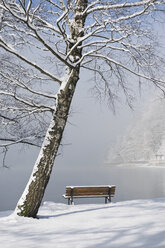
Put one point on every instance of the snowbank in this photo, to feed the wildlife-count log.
(128, 224)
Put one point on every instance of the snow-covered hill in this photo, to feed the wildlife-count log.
(130, 224)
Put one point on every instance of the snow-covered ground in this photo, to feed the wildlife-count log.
(129, 224)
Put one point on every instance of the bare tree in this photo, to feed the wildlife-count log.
(44, 44)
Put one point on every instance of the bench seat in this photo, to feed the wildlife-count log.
(106, 191)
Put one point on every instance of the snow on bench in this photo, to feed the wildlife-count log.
(106, 191)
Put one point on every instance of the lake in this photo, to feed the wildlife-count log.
(131, 183)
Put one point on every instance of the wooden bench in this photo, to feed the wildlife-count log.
(106, 191)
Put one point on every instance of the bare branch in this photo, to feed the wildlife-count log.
(21, 100)
(6, 47)
(122, 6)
(105, 58)
(54, 4)
(14, 142)
(22, 85)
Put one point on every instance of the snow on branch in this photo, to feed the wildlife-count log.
(75, 34)
(136, 73)
(133, 4)
(24, 86)
(15, 9)
(29, 19)
(21, 100)
(6, 47)
(56, 54)
(55, 4)
(131, 16)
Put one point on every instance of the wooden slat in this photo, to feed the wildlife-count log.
(113, 190)
(90, 191)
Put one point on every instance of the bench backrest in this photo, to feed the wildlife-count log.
(90, 190)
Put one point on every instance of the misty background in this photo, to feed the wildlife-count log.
(91, 130)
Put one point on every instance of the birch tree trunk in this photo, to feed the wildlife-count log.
(30, 201)
(31, 198)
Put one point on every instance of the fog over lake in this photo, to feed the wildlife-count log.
(91, 130)
(131, 183)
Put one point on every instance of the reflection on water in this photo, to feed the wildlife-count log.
(131, 183)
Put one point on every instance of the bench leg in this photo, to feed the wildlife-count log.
(71, 200)
(107, 199)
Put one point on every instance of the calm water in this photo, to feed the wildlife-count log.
(131, 183)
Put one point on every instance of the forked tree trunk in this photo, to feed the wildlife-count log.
(30, 201)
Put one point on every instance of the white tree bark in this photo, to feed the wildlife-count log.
(31, 198)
